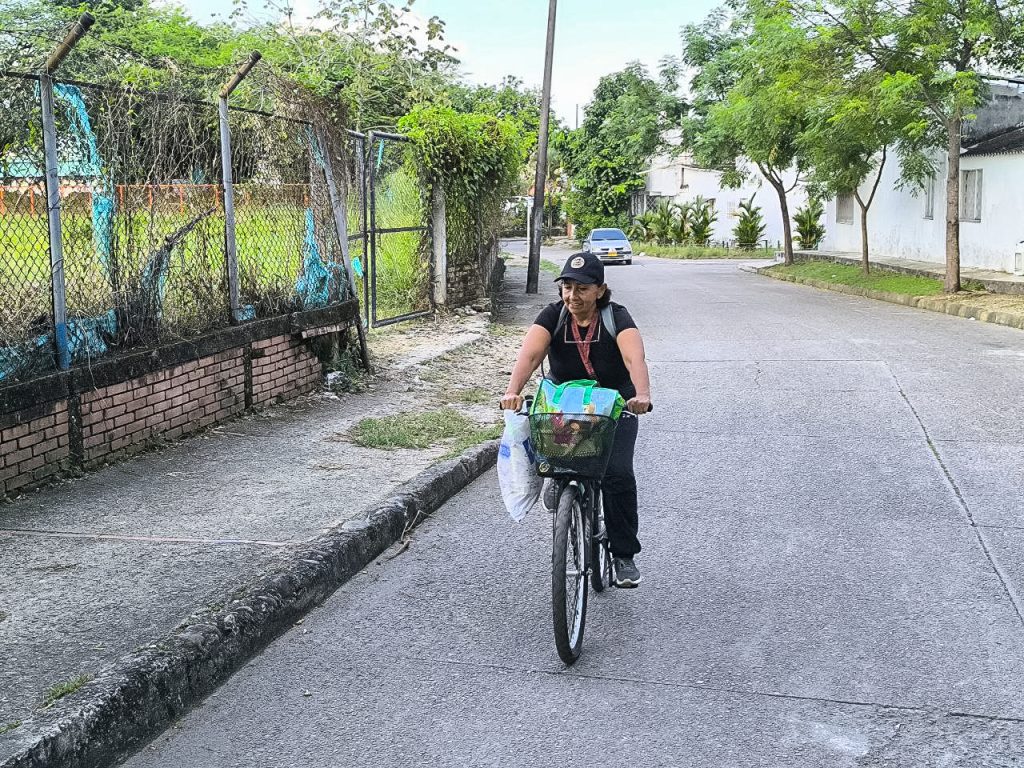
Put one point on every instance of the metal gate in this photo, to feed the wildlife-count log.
(398, 236)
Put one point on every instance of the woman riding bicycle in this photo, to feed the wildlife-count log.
(573, 335)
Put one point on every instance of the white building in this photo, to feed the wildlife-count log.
(911, 224)
(678, 179)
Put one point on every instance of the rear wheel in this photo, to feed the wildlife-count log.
(568, 574)
(601, 559)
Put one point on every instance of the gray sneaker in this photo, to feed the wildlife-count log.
(627, 575)
(549, 496)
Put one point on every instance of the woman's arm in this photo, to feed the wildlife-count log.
(631, 345)
(534, 347)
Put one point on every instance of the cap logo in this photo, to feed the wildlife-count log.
(578, 262)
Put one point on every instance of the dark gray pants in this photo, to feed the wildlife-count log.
(619, 491)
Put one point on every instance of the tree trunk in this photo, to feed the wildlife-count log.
(865, 263)
(787, 229)
(952, 281)
(865, 205)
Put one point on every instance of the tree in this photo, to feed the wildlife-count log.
(937, 51)
(508, 99)
(606, 156)
(359, 55)
(856, 121)
(749, 106)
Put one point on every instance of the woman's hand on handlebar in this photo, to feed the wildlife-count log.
(639, 405)
(511, 402)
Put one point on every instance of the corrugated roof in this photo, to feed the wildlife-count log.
(1001, 144)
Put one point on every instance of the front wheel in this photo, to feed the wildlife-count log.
(569, 574)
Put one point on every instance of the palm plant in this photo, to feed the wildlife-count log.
(750, 226)
(663, 221)
(640, 229)
(702, 221)
(681, 226)
(809, 229)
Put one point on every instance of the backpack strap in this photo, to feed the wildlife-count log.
(561, 321)
(608, 319)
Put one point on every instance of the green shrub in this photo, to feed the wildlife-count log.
(809, 229)
(750, 227)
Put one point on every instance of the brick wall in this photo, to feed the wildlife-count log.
(82, 418)
(34, 445)
(282, 369)
(124, 418)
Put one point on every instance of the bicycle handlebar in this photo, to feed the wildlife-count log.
(525, 408)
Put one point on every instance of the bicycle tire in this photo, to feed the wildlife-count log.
(601, 556)
(570, 543)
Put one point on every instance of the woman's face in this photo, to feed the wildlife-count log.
(581, 298)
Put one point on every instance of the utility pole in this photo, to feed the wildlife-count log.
(537, 224)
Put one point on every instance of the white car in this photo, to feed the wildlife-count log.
(610, 245)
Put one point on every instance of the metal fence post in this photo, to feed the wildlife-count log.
(57, 278)
(438, 214)
(230, 243)
(364, 211)
(371, 228)
(341, 226)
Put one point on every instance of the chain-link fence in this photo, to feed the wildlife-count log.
(144, 218)
(289, 254)
(26, 327)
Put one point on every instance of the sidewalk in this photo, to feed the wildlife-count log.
(96, 567)
(993, 280)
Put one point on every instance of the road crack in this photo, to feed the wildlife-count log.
(962, 501)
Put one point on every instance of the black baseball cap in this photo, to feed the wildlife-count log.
(584, 268)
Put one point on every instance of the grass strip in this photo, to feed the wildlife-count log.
(699, 252)
(418, 430)
(848, 274)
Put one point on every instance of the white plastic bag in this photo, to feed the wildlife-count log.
(517, 469)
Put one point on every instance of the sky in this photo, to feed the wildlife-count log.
(495, 38)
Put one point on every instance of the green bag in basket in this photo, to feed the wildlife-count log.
(581, 396)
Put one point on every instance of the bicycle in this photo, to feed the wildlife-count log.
(573, 450)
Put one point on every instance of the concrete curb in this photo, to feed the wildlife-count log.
(146, 690)
(943, 304)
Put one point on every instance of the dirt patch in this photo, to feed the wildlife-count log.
(1001, 302)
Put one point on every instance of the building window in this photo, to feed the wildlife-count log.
(844, 208)
(711, 203)
(682, 178)
(970, 196)
(929, 197)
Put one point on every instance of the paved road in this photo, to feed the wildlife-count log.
(833, 526)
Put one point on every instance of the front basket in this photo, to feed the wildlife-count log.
(577, 444)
